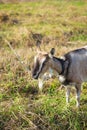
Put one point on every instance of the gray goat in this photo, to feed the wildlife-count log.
(72, 68)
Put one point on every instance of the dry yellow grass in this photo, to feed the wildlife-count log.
(59, 24)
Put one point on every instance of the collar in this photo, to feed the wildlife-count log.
(62, 62)
(65, 67)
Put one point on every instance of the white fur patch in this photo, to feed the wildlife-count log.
(35, 59)
(61, 79)
(50, 72)
(41, 64)
(62, 57)
(40, 84)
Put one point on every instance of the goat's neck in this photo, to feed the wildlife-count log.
(56, 64)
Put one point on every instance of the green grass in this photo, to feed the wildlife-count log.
(63, 25)
(48, 17)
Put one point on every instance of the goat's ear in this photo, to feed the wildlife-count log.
(52, 51)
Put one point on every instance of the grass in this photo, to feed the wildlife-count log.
(48, 18)
(61, 24)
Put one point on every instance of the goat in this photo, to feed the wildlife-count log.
(72, 68)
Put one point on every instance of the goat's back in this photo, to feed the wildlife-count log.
(82, 52)
(77, 64)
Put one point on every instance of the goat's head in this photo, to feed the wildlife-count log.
(42, 63)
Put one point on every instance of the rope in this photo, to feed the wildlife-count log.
(18, 57)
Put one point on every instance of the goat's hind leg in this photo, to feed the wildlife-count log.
(78, 93)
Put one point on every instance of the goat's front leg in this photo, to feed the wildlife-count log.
(40, 84)
(78, 93)
(41, 81)
(67, 94)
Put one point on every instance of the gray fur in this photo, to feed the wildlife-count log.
(72, 68)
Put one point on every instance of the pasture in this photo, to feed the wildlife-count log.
(61, 24)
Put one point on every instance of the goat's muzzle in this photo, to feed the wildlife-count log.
(34, 75)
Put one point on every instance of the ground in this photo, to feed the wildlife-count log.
(26, 26)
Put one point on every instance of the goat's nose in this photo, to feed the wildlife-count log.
(35, 76)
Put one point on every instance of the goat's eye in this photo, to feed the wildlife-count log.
(34, 74)
(44, 63)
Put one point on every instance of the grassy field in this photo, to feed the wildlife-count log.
(59, 23)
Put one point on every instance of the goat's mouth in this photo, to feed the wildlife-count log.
(35, 76)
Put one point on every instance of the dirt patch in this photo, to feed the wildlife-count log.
(4, 17)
